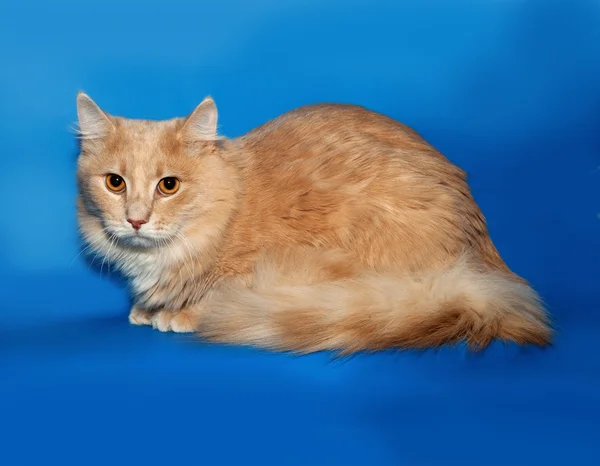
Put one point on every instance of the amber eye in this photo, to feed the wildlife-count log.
(115, 183)
(168, 186)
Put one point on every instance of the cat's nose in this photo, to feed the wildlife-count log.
(136, 224)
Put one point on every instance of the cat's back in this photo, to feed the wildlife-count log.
(319, 128)
(329, 142)
(341, 176)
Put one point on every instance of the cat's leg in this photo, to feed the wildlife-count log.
(183, 321)
(139, 316)
(190, 319)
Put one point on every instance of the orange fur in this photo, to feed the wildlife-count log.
(330, 227)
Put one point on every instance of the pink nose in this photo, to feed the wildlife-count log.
(136, 224)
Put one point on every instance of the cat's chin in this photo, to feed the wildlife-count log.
(140, 241)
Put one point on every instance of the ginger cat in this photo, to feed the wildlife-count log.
(329, 228)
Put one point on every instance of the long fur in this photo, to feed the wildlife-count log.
(283, 310)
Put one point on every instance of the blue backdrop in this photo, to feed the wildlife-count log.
(507, 89)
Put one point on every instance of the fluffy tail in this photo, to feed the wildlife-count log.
(373, 311)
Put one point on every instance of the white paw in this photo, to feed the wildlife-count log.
(140, 317)
(180, 322)
(183, 322)
(162, 321)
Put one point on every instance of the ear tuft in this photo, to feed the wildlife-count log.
(201, 125)
(93, 122)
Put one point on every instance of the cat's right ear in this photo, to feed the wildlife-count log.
(93, 122)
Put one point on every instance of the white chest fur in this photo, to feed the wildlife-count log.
(144, 269)
(147, 268)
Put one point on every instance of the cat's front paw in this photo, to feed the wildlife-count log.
(180, 322)
(140, 316)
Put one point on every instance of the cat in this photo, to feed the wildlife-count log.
(331, 227)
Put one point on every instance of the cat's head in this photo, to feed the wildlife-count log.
(144, 184)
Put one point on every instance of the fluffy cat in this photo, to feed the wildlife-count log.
(331, 227)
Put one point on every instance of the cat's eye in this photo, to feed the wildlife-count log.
(168, 185)
(115, 183)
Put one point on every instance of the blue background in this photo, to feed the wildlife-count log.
(507, 89)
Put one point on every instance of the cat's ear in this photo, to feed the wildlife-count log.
(93, 122)
(201, 125)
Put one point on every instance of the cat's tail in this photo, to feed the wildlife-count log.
(372, 311)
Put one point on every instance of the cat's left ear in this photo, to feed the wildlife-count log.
(201, 125)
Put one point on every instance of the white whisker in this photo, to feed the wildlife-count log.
(190, 253)
(170, 246)
(91, 244)
(113, 240)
